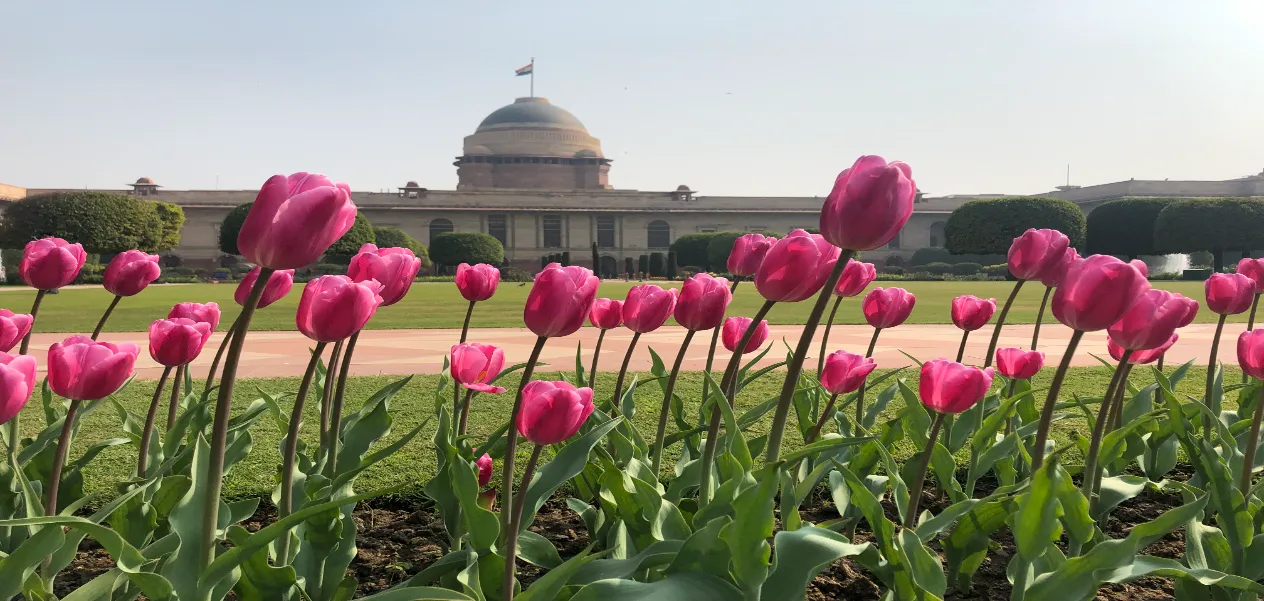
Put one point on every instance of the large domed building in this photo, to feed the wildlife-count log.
(532, 144)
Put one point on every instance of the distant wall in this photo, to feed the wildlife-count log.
(8, 192)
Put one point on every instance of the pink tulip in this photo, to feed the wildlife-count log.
(394, 268)
(1140, 357)
(1035, 252)
(559, 300)
(1141, 266)
(856, 277)
(295, 219)
(795, 267)
(1251, 353)
(1097, 292)
(1151, 321)
(50, 263)
(208, 313)
(1191, 311)
(17, 381)
(950, 387)
(1254, 269)
(279, 285)
(748, 252)
(1229, 293)
(485, 466)
(553, 411)
(1019, 364)
(1053, 276)
(130, 272)
(869, 204)
(703, 301)
(735, 328)
(845, 372)
(333, 307)
(473, 365)
(606, 313)
(887, 307)
(970, 312)
(175, 342)
(83, 370)
(647, 307)
(477, 282)
(13, 328)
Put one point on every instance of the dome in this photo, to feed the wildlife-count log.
(682, 188)
(531, 112)
(411, 184)
(145, 180)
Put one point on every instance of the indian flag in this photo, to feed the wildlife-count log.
(524, 70)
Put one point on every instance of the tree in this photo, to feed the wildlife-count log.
(231, 226)
(1125, 227)
(172, 217)
(657, 265)
(103, 222)
(1217, 225)
(643, 264)
(454, 248)
(671, 265)
(692, 249)
(718, 250)
(629, 267)
(391, 237)
(349, 244)
(989, 226)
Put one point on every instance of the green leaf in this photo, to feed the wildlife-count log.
(418, 593)
(822, 446)
(748, 536)
(923, 565)
(567, 464)
(657, 554)
(688, 586)
(260, 580)
(801, 555)
(1037, 516)
(537, 550)
(21, 563)
(704, 551)
(547, 587)
(966, 547)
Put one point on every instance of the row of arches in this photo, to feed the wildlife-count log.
(658, 232)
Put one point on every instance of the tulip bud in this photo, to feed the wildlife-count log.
(477, 282)
(83, 370)
(17, 381)
(970, 312)
(208, 313)
(13, 328)
(1254, 269)
(559, 300)
(1140, 357)
(735, 328)
(473, 365)
(394, 268)
(1141, 267)
(1034, 253)
(703, 301)
(1097, 292)
(50, 263)
(950, 387)
(175, 342)
(1151, 320)
(279, 285)
(130, 272)
(856, 277)
(1019, 364)
(870, 203)
(1251, 353)
(295, 219)
(796, 267)
(606, 313)
(485, 466)
(1054, 274)
(748, 252)
(1229, 293)
(333, 307)
(647, 307)
(845, 372)
(887, 307)
(553, 411)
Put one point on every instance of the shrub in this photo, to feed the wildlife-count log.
(997, 271)
(172, 217)
(658, 266)
(328, 269)
(596, 261)
(229, 228)
(103, 222)
(388, 237)
(893, 270)
(718, 250)
(510, 274)
(966, 269)
(671, 265)
(544, 262)
(349, 244)
(629, 266)
(454, 248)
(692, 249)
(1199, 258)
(936, 268)
(1196, 275)
(1125, 227)
(923, 256)
(1217, 225)
(894, 260)
(643, 264)
(989, 226)
(689, 270)
(566, 259)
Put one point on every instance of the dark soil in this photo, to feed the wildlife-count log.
(395, 543)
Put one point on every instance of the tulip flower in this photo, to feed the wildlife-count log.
(175, 342)
(279, 284)
(606, 314)
(734, 327)
(870, 203)
(1018, 364)
(970, 313)
(1151, 321)
(334, 307)
(887, 307)
(1145, 357)
(1251, 360)
(1229, 293)
(294, 220)
(1054, 274)
(51, 263)
(477, 282)
(205, 313)
(1033, 254)
(748, 252)
(474, 366)
(945, 388)
(130, 272)
(645, 309)
(856, 277)
(485, 466)
(796, 267)
(13, 328)
(17, 381)
(844, 373)
(394, 268)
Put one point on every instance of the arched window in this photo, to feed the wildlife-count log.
(439, 226)
(937, 237)
(659, 234)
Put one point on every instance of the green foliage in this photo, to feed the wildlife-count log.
(629, 266)
(1215, 224)
(692, 249)
(657, 265)
(718, 250)
(989, 226)
(999, 270)
(231, 226)
(936, 268)
(671, 265)
(349, 244)
(926, 255)
(566, 259)
(103, 222)
(966, 269)
(172, 217)
(894, 270)
(391, 237)
(544, 261)
(1125, 227)
(596, 261)
(454, 248)
(1199, 258)
(643, 264)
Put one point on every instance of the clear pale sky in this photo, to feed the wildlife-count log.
(734, 98)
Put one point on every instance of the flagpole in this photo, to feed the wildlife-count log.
(533, 77)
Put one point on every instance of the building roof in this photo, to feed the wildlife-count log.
(531, 112)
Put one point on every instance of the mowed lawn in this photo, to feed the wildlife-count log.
(439, 305)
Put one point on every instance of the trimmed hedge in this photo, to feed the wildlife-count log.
(928, 254)
(1125, 227)
(231, 226)
(718, 250)
(966, 269)
(1217, 225)
(349, 244)
(658, 265)
(671, 265)
(390, 237)
(454, 248)
(629, 266)
(103, 222)
(693, 249)
(172, 217)
(989, 226)
(935, 268)
(643, 265)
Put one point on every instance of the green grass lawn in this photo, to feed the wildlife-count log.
(439, 305)
(414, 463)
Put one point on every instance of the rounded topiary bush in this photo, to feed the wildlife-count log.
(1215, 225)
(172, 217)
(1125, 227)
(388, 237)
(1001, 270)
(936, 268)
(926, 255)
(893, 270)
(693, 249)
(718, 250)
(349, 244)
(454, 248)
(231, 226)
(966, 269)
(103, 222)
(989, 226)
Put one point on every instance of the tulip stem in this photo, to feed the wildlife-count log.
(174, 404)
(820, 423)
(616, 402)
(104, 316)
(327, 394)
(465, 412)
(592, 371)
(1088, 484)
(142, 460)
(961, 349)
(1046, 414)
(715, 337)
(465, 329)
(860, 394)
(1117, 405)
(334, 436)
(919, 477)
(793, 370)
(15, 428)
(1252, 442)
(1250, 325)
(713, 430)
(291, 451)
(515, 523)
(668, 392)
(59, 460)
(219, 354)
(1000, 322)
(510, 541)
(829, 323)
(1211, 375)
(219, 429)
(1040, 315)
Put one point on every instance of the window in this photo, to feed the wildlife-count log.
(439, 226)
(937, 237)
(551, 226)
(605, 232)
(659, 234)
(895, 242)
(497, 228)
